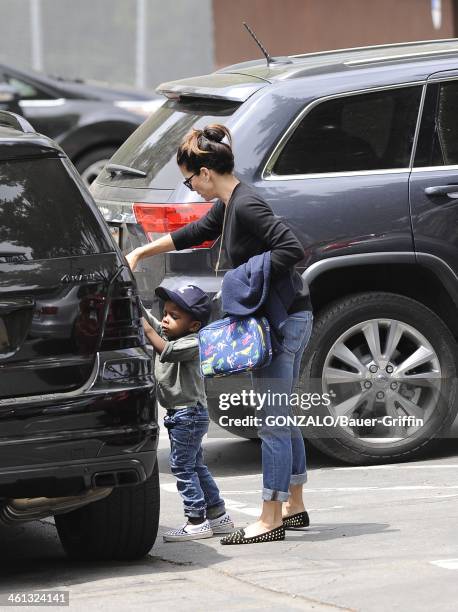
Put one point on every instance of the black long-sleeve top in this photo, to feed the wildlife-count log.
(251, 228)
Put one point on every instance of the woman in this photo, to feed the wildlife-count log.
(251, 228)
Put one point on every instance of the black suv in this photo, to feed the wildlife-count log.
(79, 430)
(357, 150)
(88, 120)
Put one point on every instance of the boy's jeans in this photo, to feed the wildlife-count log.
(283, 451)
(187, 427)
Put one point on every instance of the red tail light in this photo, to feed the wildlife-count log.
(159, 219)
(49, 310)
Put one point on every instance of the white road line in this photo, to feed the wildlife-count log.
(250, 491)
(445, 466)
(354, 489)
(441, 496)
(324, 509)
(239, 477)
(235, 506)
(394, 488)
(170, 487)
(446, 563)
(231, 504)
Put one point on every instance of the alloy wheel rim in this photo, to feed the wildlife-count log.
(382, 368)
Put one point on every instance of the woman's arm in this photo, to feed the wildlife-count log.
(206, 228)
(161, 245)
(285, 248)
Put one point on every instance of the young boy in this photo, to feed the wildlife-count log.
(181, 390)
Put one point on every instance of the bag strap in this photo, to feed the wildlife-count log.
(221, 241)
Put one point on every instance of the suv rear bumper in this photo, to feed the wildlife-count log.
(55, 445)
(67, 478)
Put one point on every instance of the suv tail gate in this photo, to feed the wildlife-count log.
(64, 294)
(140, 209)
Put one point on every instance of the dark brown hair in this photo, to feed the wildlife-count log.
(205, 148)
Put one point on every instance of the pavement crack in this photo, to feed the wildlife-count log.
(172, 562)
(293, 596)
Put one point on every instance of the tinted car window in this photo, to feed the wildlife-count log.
(153, 146)
(26, 90)
(43, 214)
(438, 139)
(360, 132)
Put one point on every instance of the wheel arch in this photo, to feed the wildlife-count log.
(426, 279)
(87, 138)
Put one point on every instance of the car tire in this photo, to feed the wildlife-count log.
(318, 371)
(122, 526)
(92, 163)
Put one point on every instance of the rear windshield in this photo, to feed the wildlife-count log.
(43, 214)
(153, 146)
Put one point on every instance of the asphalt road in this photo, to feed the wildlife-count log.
(381, 538)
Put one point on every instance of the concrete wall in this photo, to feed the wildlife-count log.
(97, 39)
(299, 26)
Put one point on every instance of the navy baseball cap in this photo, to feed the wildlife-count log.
(189, 298)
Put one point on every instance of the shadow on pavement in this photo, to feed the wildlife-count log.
(32, 558)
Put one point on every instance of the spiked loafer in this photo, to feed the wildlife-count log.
(238, 536)
(296, 521)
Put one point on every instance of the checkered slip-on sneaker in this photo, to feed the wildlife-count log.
(296, 521)
(189, 532)
(222, 524)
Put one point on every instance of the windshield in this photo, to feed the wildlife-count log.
(152, 147)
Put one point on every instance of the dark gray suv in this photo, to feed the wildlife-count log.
(357, 150)
(79, 429)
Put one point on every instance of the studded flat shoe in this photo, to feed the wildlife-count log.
(296, 521)
(238, 537)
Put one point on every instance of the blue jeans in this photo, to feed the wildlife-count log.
(283, 450)
(195, 484)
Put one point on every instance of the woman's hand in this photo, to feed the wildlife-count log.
(161, 245)
(133, 258)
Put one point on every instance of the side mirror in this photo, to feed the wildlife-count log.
(9, 99)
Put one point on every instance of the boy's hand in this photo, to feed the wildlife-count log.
(152, 335)
(146, 326)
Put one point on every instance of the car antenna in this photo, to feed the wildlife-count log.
(269, 58)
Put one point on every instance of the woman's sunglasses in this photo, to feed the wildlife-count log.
(187, 181)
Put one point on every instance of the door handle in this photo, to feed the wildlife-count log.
(442, 190)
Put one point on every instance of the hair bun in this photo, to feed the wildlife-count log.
(214, 133)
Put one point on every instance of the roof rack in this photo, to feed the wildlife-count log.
(386, 46)
(14, 121)
(385, 58)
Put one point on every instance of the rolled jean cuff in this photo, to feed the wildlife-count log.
(215, 511)
(194, 512)
(297, 479)
(271, 495)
